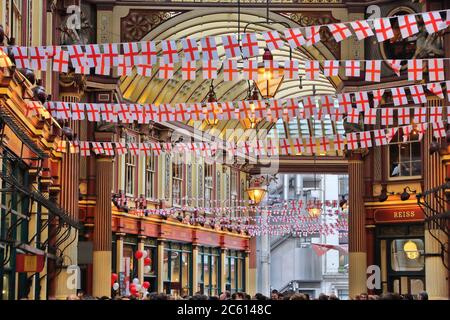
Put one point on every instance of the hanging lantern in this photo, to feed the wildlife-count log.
(268, 81)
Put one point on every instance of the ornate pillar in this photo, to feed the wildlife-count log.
(194, 268)
(140, 262)
(247, 274)
(357, 233)
(223, 271)
(435, 273)
(160, 266)
(119, 252)
(102, 228)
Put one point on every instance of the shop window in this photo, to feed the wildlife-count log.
(150, 176)
(150, 273)
(130, 169)
(208, 267)
(177, 269)
(177, 179)
(404, 157)
(235, 270)
(407, 255)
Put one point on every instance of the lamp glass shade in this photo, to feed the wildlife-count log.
(256, 194)
(314, 212)
(269, 82)
(411, 250)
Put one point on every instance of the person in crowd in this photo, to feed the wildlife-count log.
(213, 298)
(323, 296)
(73, 297)
(274, 295)
(225, 295)
(333, 297)
(390, 296)
(422, 296)
(298, 296)
(363, 296)
(408, 297)
(199, 296)
(260, 296)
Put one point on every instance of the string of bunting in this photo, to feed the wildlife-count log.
(270, 110)
(144, 55)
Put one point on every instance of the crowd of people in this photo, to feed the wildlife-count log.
(275, 295)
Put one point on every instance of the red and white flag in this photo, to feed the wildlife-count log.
(93, 112)
(209, 48)
(122, 68)
(77, 56)
(408, 25)
(353, 115)
(324, 144)
(365, 139)
(433, 22)
(108, 148)
(135, 111)
(403, 116)
(123, 113)
(436, 89)
(33, 108)
(188, 70)
(85, 149)
(309, 107)
(196, 111)
(285, 147)
(21, 57)
(377, 97)
(77, 111)
(362, 29)
(352, 68)
(250, 70)
(312, 35)
(107, 113)
(190, 49)
(327, 103)
(61, 60)
(399, 96)
(156, 148)
(406, 130)
(166, 70)
(383, 29)
(330, 68)
(133, 148)
(121, 148)
(111, 54)
(63, 110)
(273, 40)
(97, 148)
(352, 141)
(345, 101)
(144, 70)
(294, 37)
(438, 129)
(146, 149)
(436, 69)
(209, 69)
(38, 58)
(229, 111)
(312, 69)
(249, 45)
(418, 94)
(103, 68)
(166, 112)
(93, 55)
(291, 69)
(370, 116)
(420, 115)
(373, 70)
(415, 69)
(148, 54)
(387, 117)
(338, 142)
(309, 145)
(231, 46)
(340, 31)
(291, 109)
(435, 114)
(169, 52)
(395, 65)
(230, 70)
(362, 100)
(380, 137)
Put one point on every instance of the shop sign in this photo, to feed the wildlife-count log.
(399, 215)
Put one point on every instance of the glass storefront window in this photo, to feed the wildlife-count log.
(177, 269)
(185, 273)
(407, 255)
(208, 270)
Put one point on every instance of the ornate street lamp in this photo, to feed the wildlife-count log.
(269, 80)
(258, 188)
(211, 97)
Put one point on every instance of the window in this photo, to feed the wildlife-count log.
(150, 275)
(404, 158)
(407, 255)
(234, 192)
(16, 22)
(209, 169)
(208, 268)
(177, 179)
(150, 175)
(177, 269)
(235, 271)
(130, 169)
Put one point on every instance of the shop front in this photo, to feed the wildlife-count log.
(399, 249)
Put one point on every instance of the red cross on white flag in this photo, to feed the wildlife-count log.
(433, 22)
(365, 139)
(362, 100)
(133, 148)
(209, 48)
(169, 51)
(345, 102)
(418, 94)
(97, 148)
(285, 147)
(415, 70)
(338, 142)
(294, 37)
(370, 116)
(373, 70)
(273, 40)
(231, 46)
(291, 109)
(380, 137)
(188, 70)
(166, 70)
(108, 148)
(406, 130)
(340, 31)
(122, 68)
(107, 113)
(383, 29)
(407, 25)
(230, 70)
(196, 111)
(362, 29)
(403, 116)
(249, 45)
(93, 55)
(324, 143)
(123, 113)
(250, 70)
(436, 89)
(399, 96)
(111, 53)
(387, 117)
(93, 112)
(85, 149)
(312, 35)
(146, 149)
(77, 56)
(312, 69)
(121, 148)
(377, 97)
(330, 68)
(38, 58)
(435, 114)
(33, 108)
(353, 115)
(190, 49)
(420, 115)
(309, 107)
(291, 69)
(21, 57)
(61, 60)
(352, 141)
(209, 68)
(438, 129)
(103, 68)
(63, 110)
(166, 112)
(352, 68)
(144, 70)
(229, 111)
(436, 69)
(395, 65)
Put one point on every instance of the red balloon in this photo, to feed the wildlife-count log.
(147, 261)
(139, 254)
(146, 285)
(114, 277)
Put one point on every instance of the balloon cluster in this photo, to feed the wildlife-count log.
(136, 287)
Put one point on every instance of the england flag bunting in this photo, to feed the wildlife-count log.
(122, 68)
(298, 146)
(377, 96)
(406, 132)
(312, 68)
(330, 68)
(362, 29)
(399, 96)
(435, 114)
(213, 110)
(338, 142)
(61, 60)
(77, 56)
(181, 112)
(436, 89)
(97, 148)
(166, 70)
(93, 55)
(61, 146)
(438, 129)
(85, 149)
(209, 48)
(415, 70)
(196, 111)
(365, 139)
(420, 115)
(209, 69)
(38, 58)
(111, 53)
(291, 69)
(148, 56)
(144, 70)
(418, 94)
(436, 69)
(21, 57)
(260, 109)
(123, 114)
(390, 133)
(103, 68)
(156, 148)
(145, 149)
(352, 68)
(133, 148)
(74, 147)
(108, 113)
(169, 51)
(312, 35)
(370, 116)
(188, 70)
(408, 26)
(340, 31)
(421, 128)
(309, 145)
(250, 69)
(271, 66)
(373, 70)
(63, 110)
(324, 144)
(395, 65)
(166, 112)
(190, 49)
(230, 70)
(403, 116)
(245, 111)
(108, 148)
(383, 29)
(327, 103)
(93, 112)
(309, 107)
(273, 40)
(285, 147)
(337, 114)
(353, 115)
(379, 136)
(352, 141)
(231, 46)
(433, 22)
(362, 100)
(345, 101)
(295, 38)
(249, 45)
(387, 118)
(229, 111)
(135, 111)
(121, 149)
(275, 111)
(33, 108)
